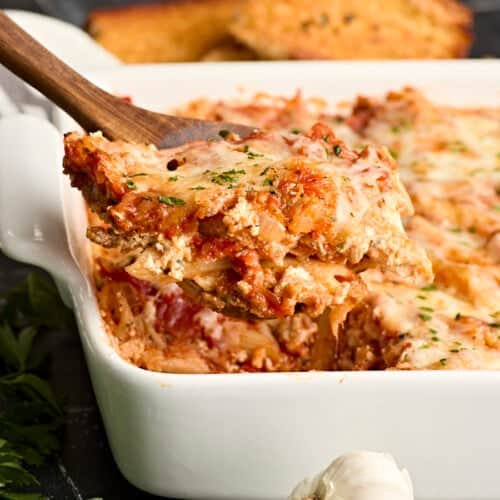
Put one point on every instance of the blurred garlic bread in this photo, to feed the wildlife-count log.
(354, 29)
(230, 50)
(182, 30)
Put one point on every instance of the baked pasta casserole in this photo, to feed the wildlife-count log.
(308, 226)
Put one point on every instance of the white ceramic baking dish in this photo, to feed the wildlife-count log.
(253, 436)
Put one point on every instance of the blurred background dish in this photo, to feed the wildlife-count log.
(188, 30)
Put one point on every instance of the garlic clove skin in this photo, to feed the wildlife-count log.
(361, 475)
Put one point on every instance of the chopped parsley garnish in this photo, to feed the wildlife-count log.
(198, 188)
(265, 171)
(224, 133)
(131, 185)
(252, 155)
(457, 147)
(425, 317)
(424, 346)
(295, 131)
(435, 339)
(455, 350)
(458, 316)
(494, 325)
(443, 361)
(394, 154)
(326, 137)
(227, 177)
(455, 230)
(268, 182)
(425, 308)
(148, 198)
(171, 200)
(246, 147)
(433, 330)
(496, 208)
(472, 229)
(402, 336)
(337, 150)
(429, 288)
(395, 130)
(174, 178)
(421, 297)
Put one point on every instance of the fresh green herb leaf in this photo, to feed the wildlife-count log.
(458, 316)
(337, 150)
(295, 131)
(425, 317)
(429, 288)
(425, 308)
(197, 188)
(173, 178)
(224, 133)
(268, 182)
(131, 185)
(443, 361)
(30, 413)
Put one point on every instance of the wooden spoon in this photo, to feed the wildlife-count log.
(93, 108)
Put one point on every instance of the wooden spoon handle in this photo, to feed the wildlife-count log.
(90, 106)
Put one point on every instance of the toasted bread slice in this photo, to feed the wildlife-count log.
(354, 29)
(230, 50)
(183, 30)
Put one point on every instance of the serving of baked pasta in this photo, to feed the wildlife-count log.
(300, 227)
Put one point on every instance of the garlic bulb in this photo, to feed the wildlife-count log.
(362, 475)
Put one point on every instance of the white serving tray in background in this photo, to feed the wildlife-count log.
(254, 436)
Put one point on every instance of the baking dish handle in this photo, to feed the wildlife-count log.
(31, 212)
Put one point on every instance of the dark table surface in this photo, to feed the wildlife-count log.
(86, 468)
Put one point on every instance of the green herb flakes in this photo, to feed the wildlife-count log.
(337, 150)
(197, 188)
(229, 177)
(174, 178)
(443, 361)
(425, 317)
(429, 288)
(131, 185)
(224, 133)
(171, 200)
(458, 316)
